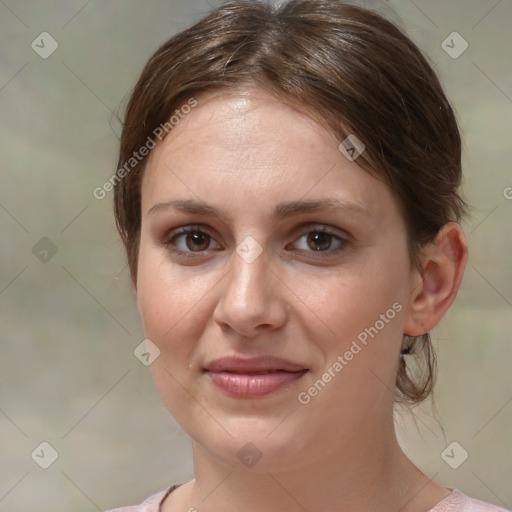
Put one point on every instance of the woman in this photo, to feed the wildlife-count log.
(287, 193)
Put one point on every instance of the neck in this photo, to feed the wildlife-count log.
(366, 473)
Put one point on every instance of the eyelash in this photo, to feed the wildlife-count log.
(196, 229)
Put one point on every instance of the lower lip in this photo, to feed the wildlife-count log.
(242, 385)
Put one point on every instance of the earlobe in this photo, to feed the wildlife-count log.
(444, 261)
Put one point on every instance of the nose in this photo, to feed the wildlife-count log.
(253, 298)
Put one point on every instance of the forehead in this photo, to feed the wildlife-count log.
(232, 122)
(244, 145)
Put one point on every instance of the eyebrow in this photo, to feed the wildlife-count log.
(281, 211)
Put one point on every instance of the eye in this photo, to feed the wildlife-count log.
(188, 240)
(191, 241)
(321, 240)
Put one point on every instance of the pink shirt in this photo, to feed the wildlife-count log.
(456, 501)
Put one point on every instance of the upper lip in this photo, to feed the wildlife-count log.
(253, 364)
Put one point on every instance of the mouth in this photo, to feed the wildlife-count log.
(254, 377)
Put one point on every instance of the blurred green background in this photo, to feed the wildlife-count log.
(68, 375)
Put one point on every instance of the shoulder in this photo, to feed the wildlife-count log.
(151, 504)
(457, 501)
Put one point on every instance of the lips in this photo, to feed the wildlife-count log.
(253, 377)
(253, 365)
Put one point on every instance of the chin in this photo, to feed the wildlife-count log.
(257, 444)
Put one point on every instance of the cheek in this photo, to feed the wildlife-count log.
(173, 317)
(364, 311)
(350, 301)
(164, 294)
(174, 308)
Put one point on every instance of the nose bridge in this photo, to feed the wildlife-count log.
(248, 277)
(251, 296)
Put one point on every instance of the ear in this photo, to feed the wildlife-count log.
(435, 288)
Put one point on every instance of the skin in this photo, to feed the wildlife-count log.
(244, 152)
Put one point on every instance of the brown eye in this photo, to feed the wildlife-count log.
(319, 241)
(190, 241)
(197, 241)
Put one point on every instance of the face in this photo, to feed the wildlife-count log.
(261, 240)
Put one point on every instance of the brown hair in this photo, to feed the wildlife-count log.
(355, 72)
